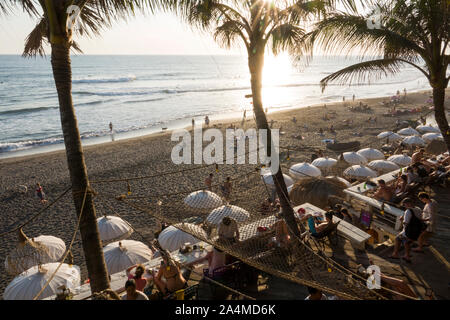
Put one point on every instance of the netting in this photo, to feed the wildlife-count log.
(188, 201)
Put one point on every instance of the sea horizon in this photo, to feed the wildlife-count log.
(143, 95)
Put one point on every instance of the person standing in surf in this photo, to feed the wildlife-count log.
(111, 132)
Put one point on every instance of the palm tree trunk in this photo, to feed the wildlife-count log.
(78, 174)
(439, 113)
(256, 64)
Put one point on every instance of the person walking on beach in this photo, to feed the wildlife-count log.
(208, 182)
(111, 132)
(353, 98)
(207, 121)
(226, 189)
(40, 193)
(243, 118)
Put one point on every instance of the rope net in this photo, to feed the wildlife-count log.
(198, 212)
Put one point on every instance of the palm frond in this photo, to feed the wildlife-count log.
(287, 37)
(34, 43)
(227, 34)
(363, 72)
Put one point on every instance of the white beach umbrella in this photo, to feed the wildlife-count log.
(304, 170)
(371, 154)
(358, 171)
(383, 165)
(391, 136)
(348, 184)
(203, 199)
(112, 228)
(354, 158)
(401, 159)
(268, 179)
(31, 252)
(414, 141)
(408, 132)
(120, 255)
(29, 283)
(56, 246)
(324, 163)
(172, 239)
(432, 136)
(237, 213)
(428, 128)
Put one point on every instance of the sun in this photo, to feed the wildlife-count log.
(277, 70)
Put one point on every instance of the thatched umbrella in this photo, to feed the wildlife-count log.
(408, 132)
(316, 191)
(436, 147)
(27, 254)
(371, 154)
(432, 136)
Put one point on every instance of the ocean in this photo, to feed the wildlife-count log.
(143, 94)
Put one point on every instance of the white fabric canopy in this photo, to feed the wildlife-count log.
(354, 158)
(112, 228)
(304, 170)
(324, 163)
(432, 136)
(358, 171)
(128, 253)
(428, 128)
(237, 213)
(29, 283)
(268, 179)
(371, 154)
(400, 159)
(392, 136)
(408, 132)
(383, 165)
(172, 239)
(203, 199)
(414, 141)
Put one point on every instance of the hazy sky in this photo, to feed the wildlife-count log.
(157, 34)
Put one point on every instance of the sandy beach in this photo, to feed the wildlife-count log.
(150, 155)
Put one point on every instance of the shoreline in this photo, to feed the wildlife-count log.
(227, 118)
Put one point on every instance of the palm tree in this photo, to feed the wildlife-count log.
(55, 29)
(403, 32)
(257, 24)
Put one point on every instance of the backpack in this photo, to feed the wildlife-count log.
(414, 227)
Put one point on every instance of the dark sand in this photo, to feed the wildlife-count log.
(151, 155)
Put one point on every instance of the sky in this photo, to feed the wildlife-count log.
(160, 34)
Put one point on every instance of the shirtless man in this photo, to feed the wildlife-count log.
(282, 236)
(170, 270)
(384, 192)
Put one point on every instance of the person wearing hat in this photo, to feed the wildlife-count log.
(228, 230)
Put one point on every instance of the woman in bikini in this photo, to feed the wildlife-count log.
(170, 270)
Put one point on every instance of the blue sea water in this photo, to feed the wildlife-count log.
(142, 94)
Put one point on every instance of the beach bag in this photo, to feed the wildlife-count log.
(415, 227)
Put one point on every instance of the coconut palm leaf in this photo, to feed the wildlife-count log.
(363, 72)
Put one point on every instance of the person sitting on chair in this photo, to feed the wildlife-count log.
(384, 192)
(228, 230)
(170, 270)
(282, 237)
(326, 224)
